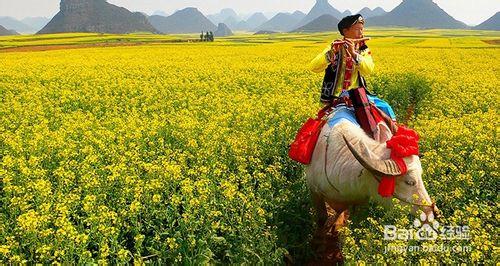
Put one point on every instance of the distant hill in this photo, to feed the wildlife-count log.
(378, 11)
(6, 32)
(256, 20)
(368, 13)
(36, 23)
(492, 23)
(223, 15)
(16, 25)
(299, 15)
(270, 14)
(159, 13)
(323, 23)
(187, 20)
(236, 22)
(321, 7)
(281, 22)
(222, 30)
(231, 22)
(242, 25)
(346, 13)
(96, 16)
(419, 14)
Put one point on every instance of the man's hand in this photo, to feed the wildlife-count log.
(336, 45)
(351, 49)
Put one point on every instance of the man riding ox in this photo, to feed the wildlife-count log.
(361, 153)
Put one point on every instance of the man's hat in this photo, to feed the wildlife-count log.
(348, 21)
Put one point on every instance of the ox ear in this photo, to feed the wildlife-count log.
(377, 167)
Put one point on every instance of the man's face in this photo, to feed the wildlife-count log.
(355, 31)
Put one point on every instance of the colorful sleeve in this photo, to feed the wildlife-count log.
(320, 62)
(365, 62)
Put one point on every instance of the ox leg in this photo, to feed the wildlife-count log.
(321, 212)
(319, 242)
(340, 215)
(326, 243)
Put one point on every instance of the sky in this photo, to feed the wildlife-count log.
(467, 11)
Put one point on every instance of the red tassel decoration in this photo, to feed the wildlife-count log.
(386, 186)
(403, 143)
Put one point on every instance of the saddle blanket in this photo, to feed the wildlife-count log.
(347, 113)
(341, 113)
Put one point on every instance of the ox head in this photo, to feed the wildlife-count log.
(409, 187)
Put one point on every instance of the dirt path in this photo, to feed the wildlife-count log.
(493, 42)
(39, 48)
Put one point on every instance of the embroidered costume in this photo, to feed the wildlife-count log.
(343, 72)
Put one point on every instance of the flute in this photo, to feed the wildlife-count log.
(353, 40)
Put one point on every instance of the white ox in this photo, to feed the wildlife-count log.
(347, 173)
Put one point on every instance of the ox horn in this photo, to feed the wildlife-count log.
(377, 167)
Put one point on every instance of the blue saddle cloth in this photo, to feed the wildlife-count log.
(382, 105)
(342, 112)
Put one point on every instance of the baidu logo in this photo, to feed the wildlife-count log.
(426, 227)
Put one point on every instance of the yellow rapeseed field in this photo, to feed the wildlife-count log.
(177, 153)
